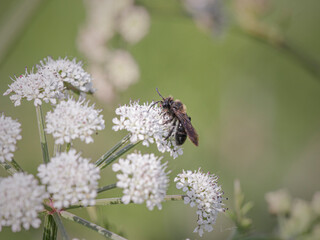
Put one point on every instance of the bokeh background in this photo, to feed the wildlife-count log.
(255, 107)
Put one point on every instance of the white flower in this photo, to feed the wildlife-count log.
(143, 178)
(122, 69)
(202, 191)
(35, 86)
(71, 120)
(70, 179)
(134, 24)
(9, 134)
(147, 124)
(92, 42)
(279, 201)
(21, 201)
(69, 72)
(100, 26)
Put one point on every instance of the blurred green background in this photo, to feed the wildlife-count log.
(255, 108)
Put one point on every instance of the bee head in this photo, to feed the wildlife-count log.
(167, 102)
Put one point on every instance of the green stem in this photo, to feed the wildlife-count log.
(8, 168)
(61, 228)
(43, 140)
(104, 232)
(118, 154)
(50, 228)
(68, 147)
(16, 166)
(113, 201)
(106, 188)
(112, 150)
(56, 149)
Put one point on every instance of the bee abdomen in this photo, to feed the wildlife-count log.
(181, 135)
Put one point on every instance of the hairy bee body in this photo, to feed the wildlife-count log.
(181, 127)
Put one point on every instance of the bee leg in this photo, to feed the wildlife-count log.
(171, 130)
(170, 133)
(169, 120)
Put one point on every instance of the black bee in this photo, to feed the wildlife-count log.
(181, 122)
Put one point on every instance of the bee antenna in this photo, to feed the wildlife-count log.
(159, 93)
(153, 105)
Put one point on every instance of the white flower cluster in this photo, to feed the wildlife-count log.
(143, 178)
(121, 69)
(73, 119)
(9, 134)
(35, 86)
(70, 179)
(146, 124)
(202, 191)
(67, 71)
(105, 19)
(50, 82)
(21, 201)
(134, 24)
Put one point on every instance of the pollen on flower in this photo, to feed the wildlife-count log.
(202, 191)
(21, 201)
(148, 124)
(73, 119)
(143, 178)
(9, 134)
(70, 179)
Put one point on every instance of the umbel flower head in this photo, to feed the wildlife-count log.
(73, 119)
(21, 201)
(70, 179)
(36, 87)
(122, 70)
(134, 24)
(67, 72)
(147, 124)
(202, 191)
(9, 134)
(50, 82)
(143, 178)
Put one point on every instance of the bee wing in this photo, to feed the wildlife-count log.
(191, 132)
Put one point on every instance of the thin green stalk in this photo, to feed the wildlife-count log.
(16, 166)
(106, 188)
(61, 228)
(118, 154)
(104, 232)
(68, 147)
(112, 150)
(8, 168)
(113, 201)
(50, 228)
(43, 140)
(56, 149)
